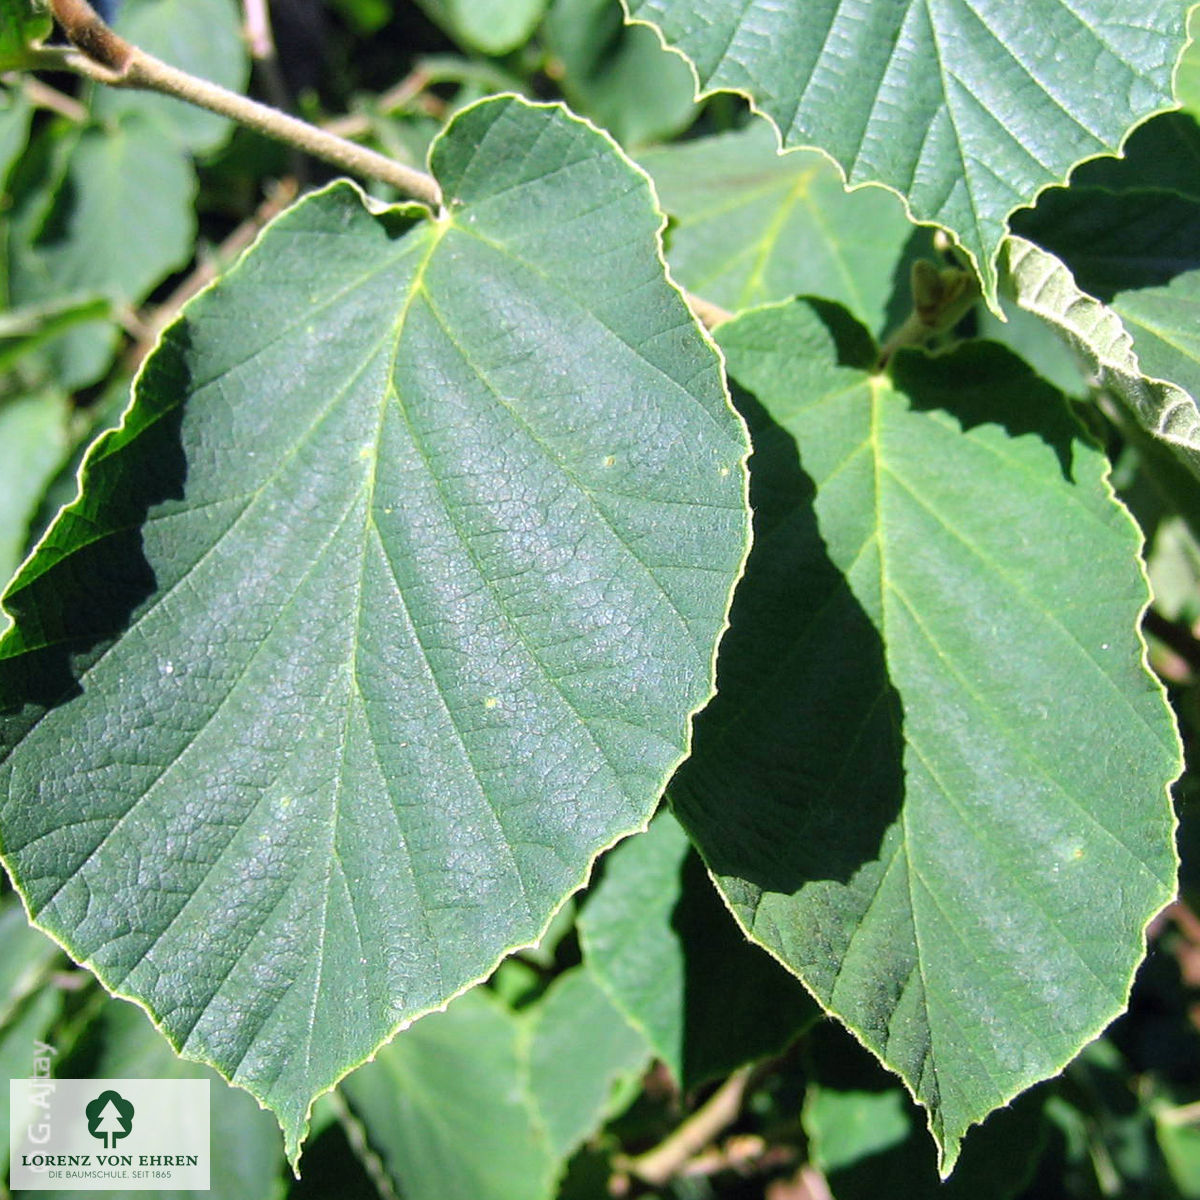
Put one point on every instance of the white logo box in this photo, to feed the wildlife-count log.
(108, 1134)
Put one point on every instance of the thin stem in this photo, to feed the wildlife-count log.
(1176, 636)
(812, 1184)
(260, 39)
(104, 56)
(669, 1157)
(44, 96)
(410, 90)
(85, 30)
(356, 1135)
(709, 315)
(150, 73)
(257, 26)
(1185, 1114)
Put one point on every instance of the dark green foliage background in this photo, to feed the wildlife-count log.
(569, 1057)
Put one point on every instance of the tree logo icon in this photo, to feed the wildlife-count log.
(109, 1117)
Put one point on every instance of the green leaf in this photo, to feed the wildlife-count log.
(1117, 242)
(1040, 283)
(479, 1103)
(580, 1049)
(15, 115)
(87, 426)
(1037, 343)
(750, 225)
(845, 1127)
(67, 238)
(934, 779)
(382, 614)
(25, 954)
(118, 177)
(247, 1155)
(22, 24)
(864, 1133)
(966, 109)
(492, 26)
(448, 1110)
(620, 76)
(18, 1046)
(24, 330)
(202, 37)
(1179, 1141)
(1187, 77)
(1173, 565)
(34, 441)
(1137, 251)
(660, 942)
(1165, 323)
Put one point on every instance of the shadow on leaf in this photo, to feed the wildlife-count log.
(796, 772)
(90, 576)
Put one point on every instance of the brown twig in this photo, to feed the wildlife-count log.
(1176, 636)
(1184, 1114)
(410, 90)
(670, 1157)
(101, 54)
(86, 31)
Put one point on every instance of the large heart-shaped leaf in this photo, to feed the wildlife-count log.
(934, 779)
(383, 612)
(967, 108)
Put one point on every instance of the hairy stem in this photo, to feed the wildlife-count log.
(103, 55)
